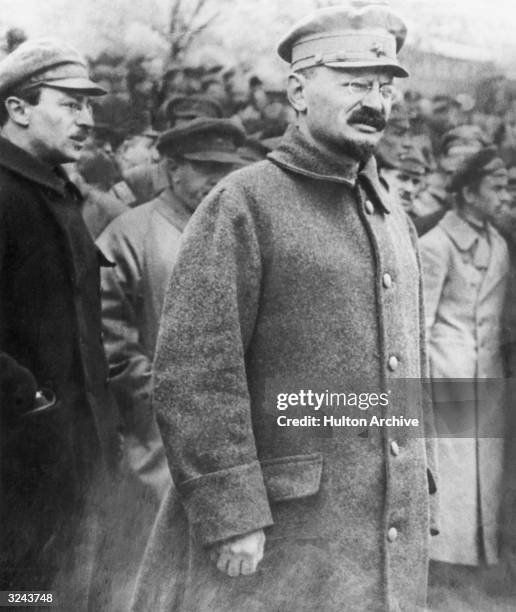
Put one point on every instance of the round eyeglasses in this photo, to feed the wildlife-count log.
(362, 88)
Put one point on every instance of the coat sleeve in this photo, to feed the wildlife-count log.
(128, 361)
(200, 393)
(434, 267)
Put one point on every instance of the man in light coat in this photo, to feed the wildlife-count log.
(143, 244)
(297, 273)
(465, 273)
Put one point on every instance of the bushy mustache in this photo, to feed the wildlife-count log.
(368, 116)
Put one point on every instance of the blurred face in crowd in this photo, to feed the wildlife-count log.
(57, 127)
(134, 151)
(505, 217)
(396, 139)
(446, 118)
(490, 199)
(405, 185)
(511, 185)
(193, 180)
(344, 111)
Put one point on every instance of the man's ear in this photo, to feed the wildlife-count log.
(18, 110)
(296, 85)
(171, 166)
(468, 195)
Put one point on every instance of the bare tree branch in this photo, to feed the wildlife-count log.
(174, 13)
(198, 8)
(195, 31)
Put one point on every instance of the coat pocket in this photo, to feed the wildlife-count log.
(292, 477)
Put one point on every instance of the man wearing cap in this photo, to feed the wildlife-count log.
(405, 176)
(456, 145)
(146, 181)
(296, 273)
(465, 271)
(396, 140)
(143, 243)
(59, 423)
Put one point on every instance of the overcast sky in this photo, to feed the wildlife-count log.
(245, 25)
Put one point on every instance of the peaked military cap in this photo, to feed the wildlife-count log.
(412, 162)
(353, 35)
(46, 61)
(191, 107)
(204, 139)
(464, 136)
(483, 163)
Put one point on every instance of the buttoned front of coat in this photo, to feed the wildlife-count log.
(293, 271)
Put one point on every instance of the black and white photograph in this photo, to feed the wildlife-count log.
(258, 305)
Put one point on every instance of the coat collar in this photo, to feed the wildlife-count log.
(462, 233)
(174, 211)
(296, 154)
(26, 165)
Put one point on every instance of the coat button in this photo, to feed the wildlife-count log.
(387, 280)
(369, 207)
(393, 363)
(392, 534)
(395, 449)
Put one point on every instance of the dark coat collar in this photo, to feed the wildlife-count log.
(26, 165)
(296, 154)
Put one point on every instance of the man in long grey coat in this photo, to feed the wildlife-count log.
(295, 274)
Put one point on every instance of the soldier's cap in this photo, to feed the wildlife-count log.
(442, 103)
(191, 107)
(354, 35)
(412, 162)
(482, 163)
(465, 136)
(399, 117)
(46, 61)
(204, 139)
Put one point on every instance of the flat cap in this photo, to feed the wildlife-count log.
(204, 139)
(191, 107)
(46, 61)
(464, 136)
(441, 103)
(353, 35)
(399, 117)
(482, 163)
(412, 162)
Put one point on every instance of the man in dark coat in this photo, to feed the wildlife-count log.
(295, 274)
(59, 423)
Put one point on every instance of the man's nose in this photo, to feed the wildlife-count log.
(85, 117)
(505, 198)
(373, 98)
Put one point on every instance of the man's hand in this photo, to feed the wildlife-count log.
(240, 556)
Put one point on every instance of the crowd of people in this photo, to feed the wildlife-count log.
(172, 251)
